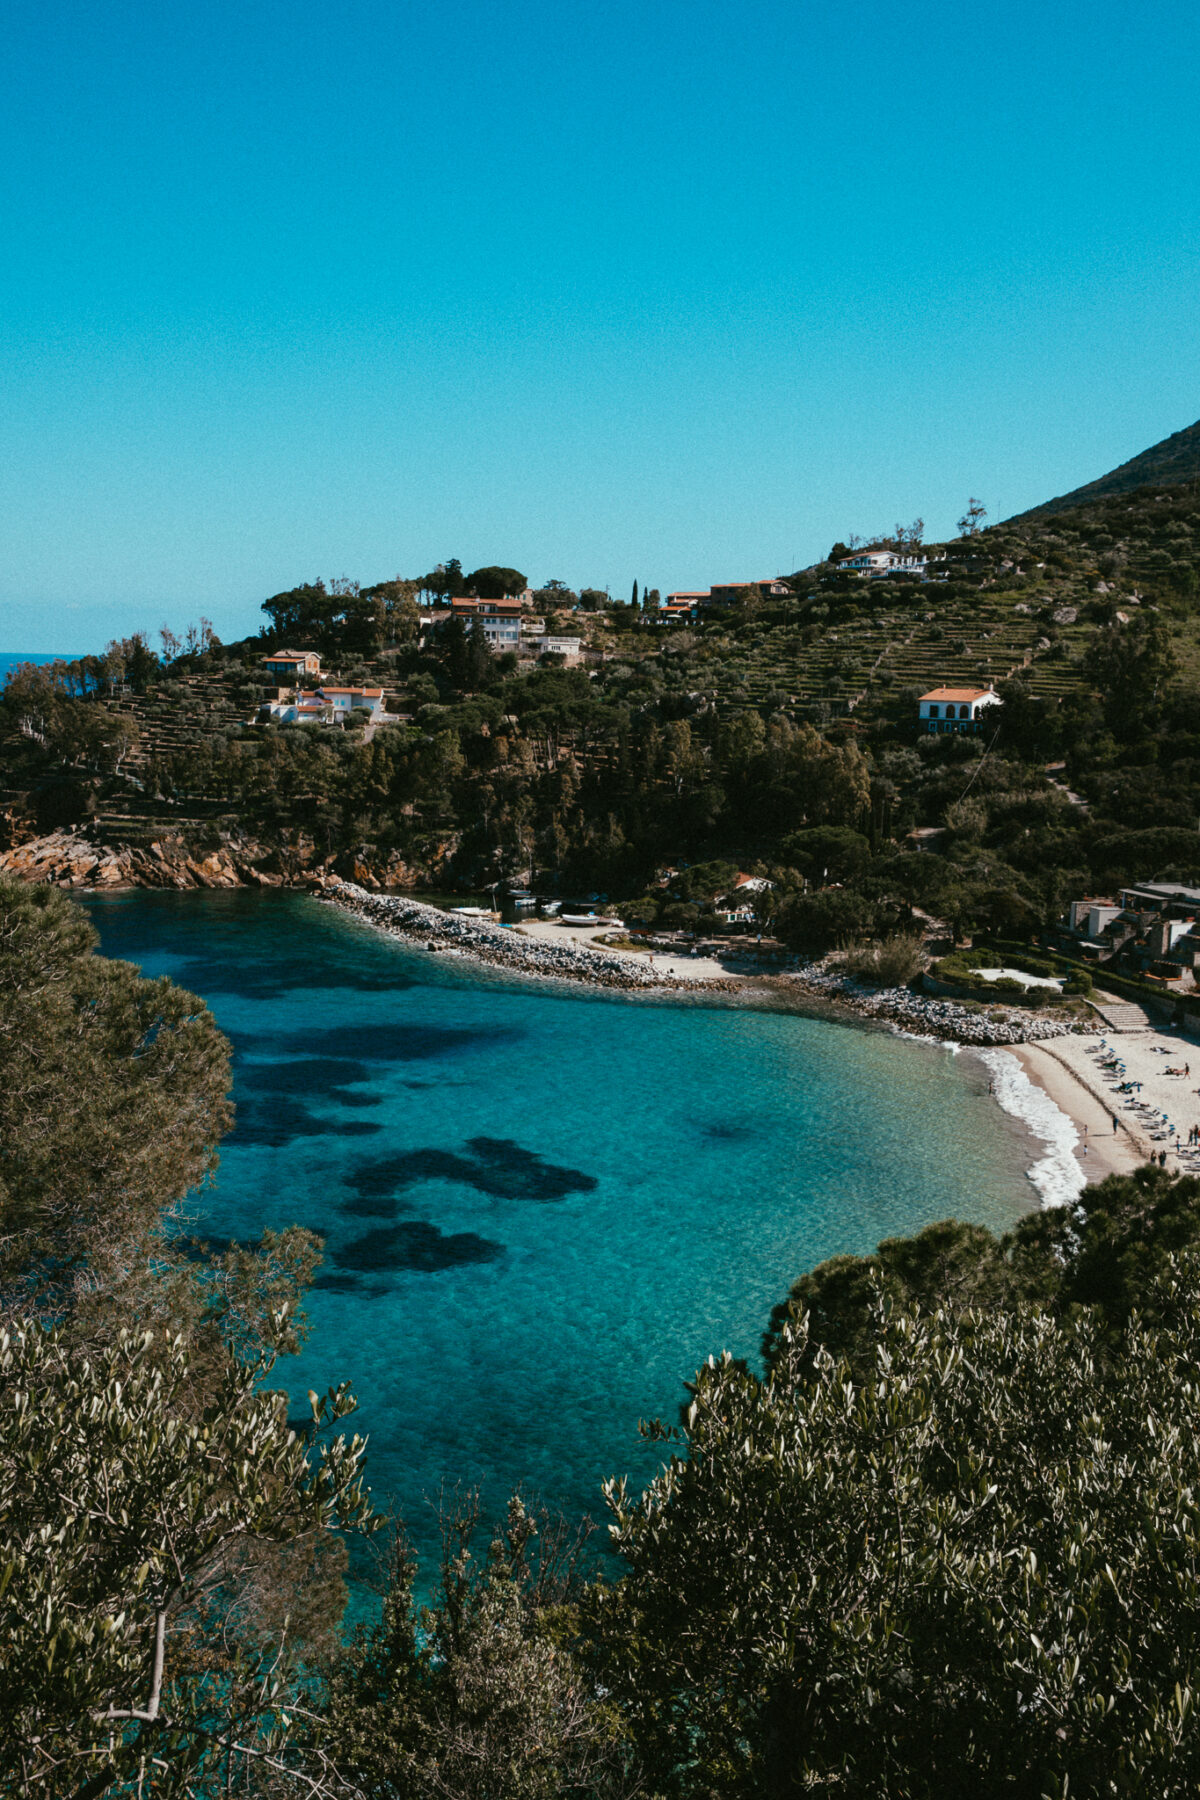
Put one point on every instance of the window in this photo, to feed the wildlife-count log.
(934, 712)
(964, 712)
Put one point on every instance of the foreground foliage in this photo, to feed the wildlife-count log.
(126, 1653)
(482, 1693)
(975, 1569)
(1107, 1251)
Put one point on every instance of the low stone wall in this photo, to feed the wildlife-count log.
(963, 990)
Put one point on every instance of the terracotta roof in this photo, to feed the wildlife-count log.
(975, 693)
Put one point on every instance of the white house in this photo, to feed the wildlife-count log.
(882, 562)
(956, 709)
(326, 705)
(345, 700)
(547, 644)
(1089, 917)
(500, 619)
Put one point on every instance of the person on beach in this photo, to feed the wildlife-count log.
(1116, 1124)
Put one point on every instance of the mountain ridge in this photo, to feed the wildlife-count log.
(1175, 459)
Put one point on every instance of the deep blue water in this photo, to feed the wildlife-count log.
(9, 660)
(543, 1208)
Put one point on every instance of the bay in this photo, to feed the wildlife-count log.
(544, 1207)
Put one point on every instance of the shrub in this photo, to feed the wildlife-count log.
(892, 962)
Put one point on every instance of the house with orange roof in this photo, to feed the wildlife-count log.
(728, 593)
(292, 665)
(345, 700)
(325, 705)
(955, 709)
(500, 619)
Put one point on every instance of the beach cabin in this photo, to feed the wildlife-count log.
(292, 665)
(946, 709)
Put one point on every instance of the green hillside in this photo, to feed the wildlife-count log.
(728, 741)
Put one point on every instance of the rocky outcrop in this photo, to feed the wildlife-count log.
(74, 861)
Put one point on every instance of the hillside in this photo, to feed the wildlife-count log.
(1176, 459)
(730, 742)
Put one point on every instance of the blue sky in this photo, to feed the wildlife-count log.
(672, 291)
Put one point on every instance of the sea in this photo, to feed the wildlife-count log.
(544, 1207)
(11, 659)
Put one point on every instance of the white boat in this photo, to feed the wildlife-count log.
(473, 912)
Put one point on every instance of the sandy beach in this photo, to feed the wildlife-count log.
(682, 967)
(1070, 1070)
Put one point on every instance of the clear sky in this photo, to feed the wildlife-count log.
(675, 291)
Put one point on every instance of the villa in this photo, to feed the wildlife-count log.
(728, 593)
(956, 709)
(882, 562)
(1150, 930)
(500, 619)
(325, 705)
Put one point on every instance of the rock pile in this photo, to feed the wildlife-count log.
(496, 944)
(925, 1016)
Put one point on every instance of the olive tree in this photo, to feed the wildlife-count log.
(123, 1509)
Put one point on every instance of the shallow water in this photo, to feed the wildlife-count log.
(543, 1208)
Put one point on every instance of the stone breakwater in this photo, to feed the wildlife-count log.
(924, 1016)
(496, 944)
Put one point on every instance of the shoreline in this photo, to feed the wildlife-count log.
(1075, 1088)
(1049, 1116)
(505, 946)
(814, 986)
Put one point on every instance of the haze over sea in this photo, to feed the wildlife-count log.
(544, 1207)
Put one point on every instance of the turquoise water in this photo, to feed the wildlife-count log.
(544, 1208)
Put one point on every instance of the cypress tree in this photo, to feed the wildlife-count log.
(634, 601)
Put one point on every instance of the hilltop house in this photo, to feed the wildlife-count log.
(500, 619)
(683, 606)
(292, 665)
(945, 709)
(882, 562)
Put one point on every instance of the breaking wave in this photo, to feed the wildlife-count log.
(1057, 1175)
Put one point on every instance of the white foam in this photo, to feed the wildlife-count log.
(1057, 1176)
